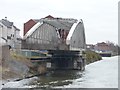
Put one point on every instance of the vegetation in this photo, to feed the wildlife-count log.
(92, 56)
(118, 49)
(20, 58)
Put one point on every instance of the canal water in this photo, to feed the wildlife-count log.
(100, 74)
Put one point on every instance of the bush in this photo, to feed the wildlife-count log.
(92, 56)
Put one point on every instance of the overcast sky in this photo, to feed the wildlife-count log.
(100, 17)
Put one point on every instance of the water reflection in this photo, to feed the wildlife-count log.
(56, 78)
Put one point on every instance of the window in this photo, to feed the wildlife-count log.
(19, 39)
(74, 42)
(8, 37)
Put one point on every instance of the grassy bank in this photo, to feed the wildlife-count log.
(92, 56)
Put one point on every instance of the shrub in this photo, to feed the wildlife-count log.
(92, 56)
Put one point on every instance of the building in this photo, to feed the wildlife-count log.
(106, 48)
(9, 34)
(103, 47)
(90, 47)
(54, 33)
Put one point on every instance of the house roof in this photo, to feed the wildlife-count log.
(49, 16)
(1, 25)
(102, 43)
(6, 23)
(16, 28)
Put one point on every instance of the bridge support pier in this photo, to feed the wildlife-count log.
(64, 59)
